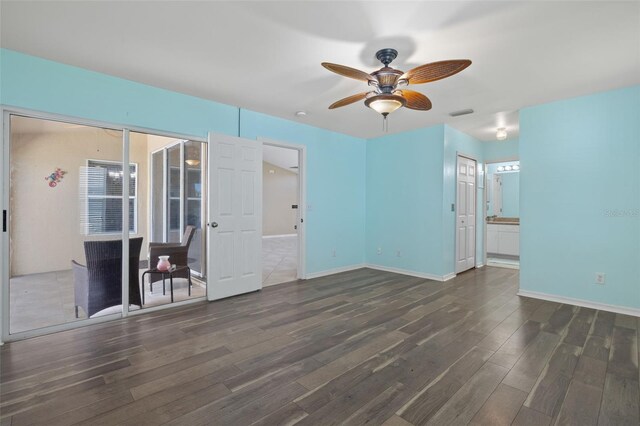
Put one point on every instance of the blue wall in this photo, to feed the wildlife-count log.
(404, 200)
(42, 85)
(335, 188)
(501, 150)
(580, 204)
(411, 184)
(336, 163)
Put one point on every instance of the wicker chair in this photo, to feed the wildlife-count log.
(99, 284)
(177, 252)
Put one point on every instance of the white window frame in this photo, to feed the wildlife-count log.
(133, 231)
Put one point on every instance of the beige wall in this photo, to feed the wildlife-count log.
(280, 191)
(45, 228)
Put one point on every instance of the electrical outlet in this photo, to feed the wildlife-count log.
(333, 254)
(600, 278)
(379, 250)
(398, 253)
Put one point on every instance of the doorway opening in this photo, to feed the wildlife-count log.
(282, 221)
(502, 217)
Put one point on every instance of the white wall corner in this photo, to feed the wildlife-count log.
(449, 276)
(579, 302)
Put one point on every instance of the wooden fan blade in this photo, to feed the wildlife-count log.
(435, 71)
(348, 72)
(415, 100)
(349, 100)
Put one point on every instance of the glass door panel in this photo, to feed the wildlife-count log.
(175, 185)
(157, 196)
(193, 206)
(174, 188)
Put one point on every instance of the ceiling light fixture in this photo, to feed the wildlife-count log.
(501, 134)
(192, 163)
(301, 113)
(385, 104)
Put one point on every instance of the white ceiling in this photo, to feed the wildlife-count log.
(265, 56)
(282, 157)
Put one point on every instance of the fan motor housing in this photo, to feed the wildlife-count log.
(387, 78)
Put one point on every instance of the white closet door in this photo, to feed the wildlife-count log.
(465, 214)
(235, 216)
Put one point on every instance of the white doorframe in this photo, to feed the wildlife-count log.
(4, 262)
(475, 197)
(5, 133)
(302, 199)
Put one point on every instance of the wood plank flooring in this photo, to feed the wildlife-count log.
(361, 347)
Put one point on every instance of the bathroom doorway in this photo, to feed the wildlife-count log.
(502, 217)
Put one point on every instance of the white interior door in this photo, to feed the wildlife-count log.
(235, 216)
(465, 214)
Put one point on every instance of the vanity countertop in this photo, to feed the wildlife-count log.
(504, 220)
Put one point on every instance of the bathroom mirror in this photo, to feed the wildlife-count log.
(503, 189)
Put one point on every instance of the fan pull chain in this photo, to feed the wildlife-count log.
(385, 124)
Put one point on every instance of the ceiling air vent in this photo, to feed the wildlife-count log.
(461, 112)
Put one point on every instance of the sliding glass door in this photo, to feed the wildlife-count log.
(177, 197)
(65, 222)
(74, 196)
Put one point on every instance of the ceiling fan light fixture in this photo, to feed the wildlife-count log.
(501, 134)
(192, 162)
(385, 103)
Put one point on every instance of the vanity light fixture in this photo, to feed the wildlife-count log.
(509, 168)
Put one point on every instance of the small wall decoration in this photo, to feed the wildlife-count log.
(55, 177)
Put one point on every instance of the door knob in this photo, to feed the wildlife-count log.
(214, 224)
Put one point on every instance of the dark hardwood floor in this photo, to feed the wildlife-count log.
(361, 347)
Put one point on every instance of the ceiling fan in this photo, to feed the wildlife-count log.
(388, 84)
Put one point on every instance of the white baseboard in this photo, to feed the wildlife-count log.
(579, 302)
(410, 273)
(280, 236)
(334, 271)
(433, 277)
(502, 265)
